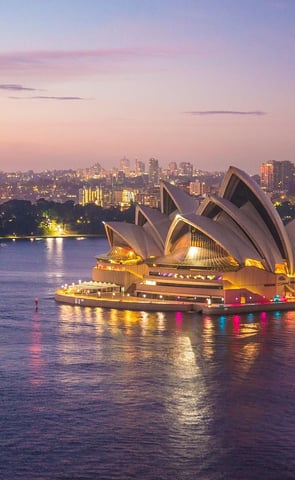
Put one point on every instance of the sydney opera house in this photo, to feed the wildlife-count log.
(230, 248)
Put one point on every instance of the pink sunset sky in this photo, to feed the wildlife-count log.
(87, 81)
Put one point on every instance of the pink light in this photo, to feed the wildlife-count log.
(178, 318)
(236, 322)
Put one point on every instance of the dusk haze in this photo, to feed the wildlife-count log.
(90, 81)
(147, 239)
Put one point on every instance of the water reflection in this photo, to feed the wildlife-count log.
(94, 393)
(54, 250)
(54, 257)
(236, 324)
(208, 333)
(186, 344)
(187, 396)
(178, 320)
(161, 326)
(263, 322)
(289, 321)
(245, 357)
(222, 323)
(144, 321)
(35, 349)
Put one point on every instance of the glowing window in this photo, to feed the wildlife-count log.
(280, 268)
(250, 262)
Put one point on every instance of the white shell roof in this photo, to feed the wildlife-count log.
(273, 220)
(290, 228)
(156, 221)
(182, 200)
(135, 237)
(256, 231)
(227, 239)
(246, 224)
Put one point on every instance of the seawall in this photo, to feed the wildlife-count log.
(140, 304)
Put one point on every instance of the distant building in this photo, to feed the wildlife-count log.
(128, 197)
(197, 188)
(266, 176)
(90, 195)
(187, 169)
(278, 176)
(154, 171)
(120, 177)
(232, 248)
(96, 171)
(172, 169)
(139, 167)
(125, 166)
(284, 172)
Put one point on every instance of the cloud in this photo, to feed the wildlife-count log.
(43, 97)
(39, 56)
(16, 87)
(61, 63)
(226, 112)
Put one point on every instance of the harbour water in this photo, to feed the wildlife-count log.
(108, 394)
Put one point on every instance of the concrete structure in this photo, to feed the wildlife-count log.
(90, 195)
(278, 176)
(154, 171)
(233, 249)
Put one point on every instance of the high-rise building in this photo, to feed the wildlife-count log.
(197, 188)
(278, 176)
(186, 168)
(266, 176)
(172, 168)
(154, 171)
(284, 172)
(139, 167)
(90, 195)
(120, 177)
(125, 166)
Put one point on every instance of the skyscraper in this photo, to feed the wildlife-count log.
(172, 168)
(125, 166)
(284, 176)
(139, 167)
(154, 171)
(277, 176)
(90, 195)
(186, 168)
(266, 176)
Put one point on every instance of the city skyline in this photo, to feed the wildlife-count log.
(85, 82)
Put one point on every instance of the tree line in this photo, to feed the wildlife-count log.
(23, 218)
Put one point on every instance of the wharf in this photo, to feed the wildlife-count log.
(123, 302)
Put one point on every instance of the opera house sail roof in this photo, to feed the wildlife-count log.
(230, 250)
(237, 228)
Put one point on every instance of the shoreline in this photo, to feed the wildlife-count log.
(138, 304)
(36, 237)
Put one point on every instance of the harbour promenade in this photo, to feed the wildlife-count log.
(124, 302)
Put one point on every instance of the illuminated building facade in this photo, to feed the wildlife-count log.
(125, 166)
(90, 195)
(277, 176)
(186, 168)
(198, 188)
(154, 171)
(139, 167)
(266, 176)
(231, 248)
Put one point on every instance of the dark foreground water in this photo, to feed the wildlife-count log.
(97, 394)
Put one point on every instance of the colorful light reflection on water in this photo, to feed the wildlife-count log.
(89, 393)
